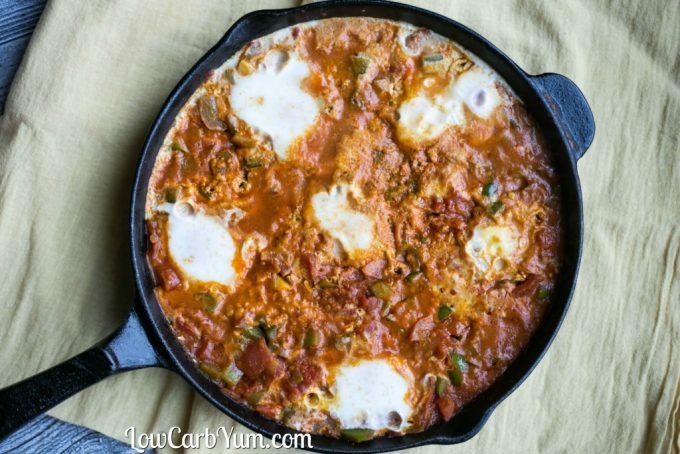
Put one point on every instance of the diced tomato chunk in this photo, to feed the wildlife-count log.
(371, 305)
(205, 351)
(455, 208)
(187, 327)
(309, 375)
(268, 411)
(257, 360)
(421, 329)
(349, 275)
(169, 279)
(155, 250)
(378, 337)
(210, 352)
(374, 268)
(547, 238)
(446, 405)
(528, 286)
(314, 267)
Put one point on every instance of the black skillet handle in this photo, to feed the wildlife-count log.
(570, 108)
(126, 349)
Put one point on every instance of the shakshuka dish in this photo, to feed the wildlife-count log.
(354, 227)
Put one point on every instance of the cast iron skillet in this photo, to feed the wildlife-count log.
(146, 340)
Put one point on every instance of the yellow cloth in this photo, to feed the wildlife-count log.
(97, 72)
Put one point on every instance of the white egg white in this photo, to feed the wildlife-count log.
(201, 245)
(477, 89)
(369, 394)
(272, 101)
(424, 117)
(353, 229)
(490, 248)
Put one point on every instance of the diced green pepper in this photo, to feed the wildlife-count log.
(253, 333)
(456, 376)
(495, 207)
(210, 370)
(459, 368)
(232, 375)
(381, 290)
(170, 194)
(413, 186)
(543, 294)
(256, 397)
(385, 310)
(490, 189)
(209, 301)
(252, 162)
(359, 63)
(434, 63)
(269, 332)
(433, 58)
(459, 360)
(440, 385)
(311, 339)
(412, 259)
(413, 276)
(357, 435)
(444, 312)
(175, 146)
(324, 283)
(296, 376)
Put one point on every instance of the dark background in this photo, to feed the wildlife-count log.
(45, 434)
(17, 21)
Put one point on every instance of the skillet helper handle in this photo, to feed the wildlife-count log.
(570, 108)
(126, 349)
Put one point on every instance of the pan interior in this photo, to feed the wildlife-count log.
(466, 423)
